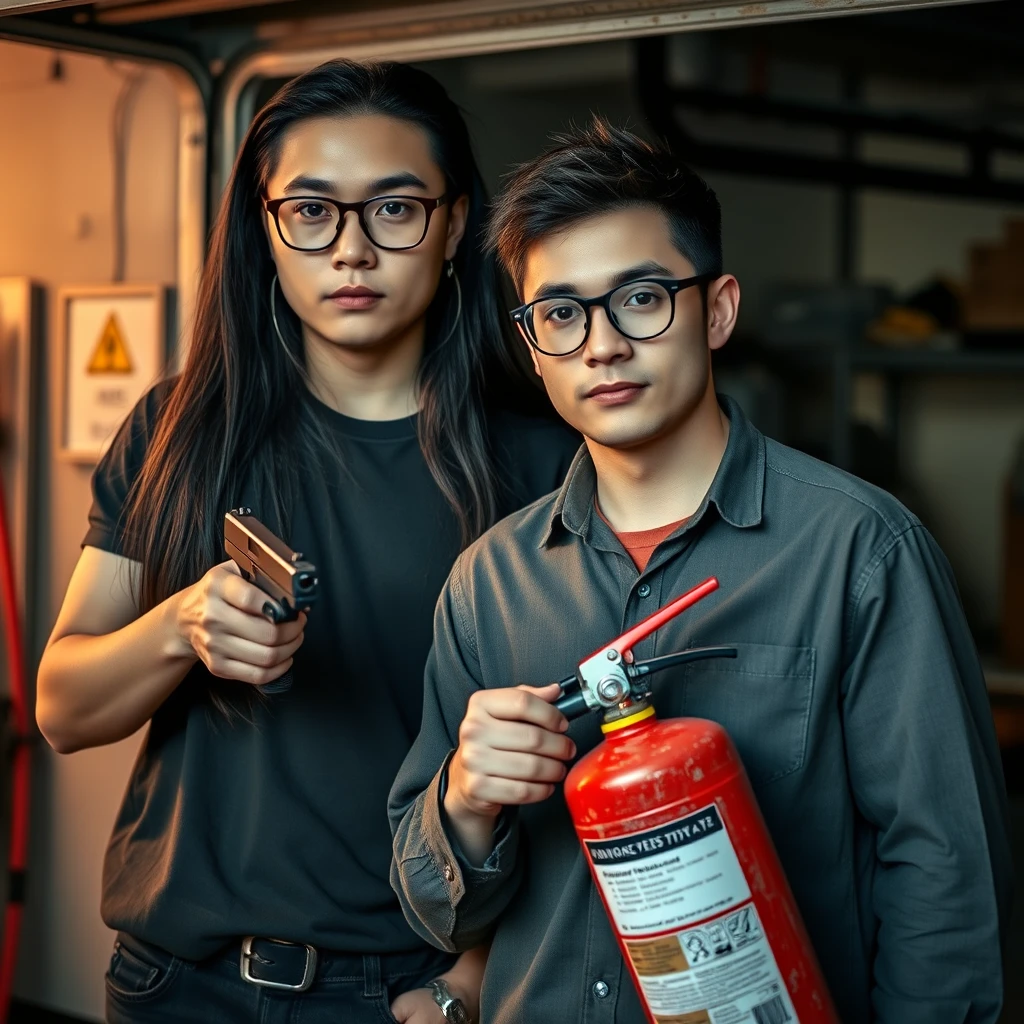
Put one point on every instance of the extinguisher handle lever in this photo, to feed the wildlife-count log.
(643, 668)
(603, 680)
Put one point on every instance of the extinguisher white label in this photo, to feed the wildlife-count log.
(681, 904)
(669, 876)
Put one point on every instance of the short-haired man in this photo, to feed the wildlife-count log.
(857, 701)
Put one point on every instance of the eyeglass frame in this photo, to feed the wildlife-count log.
(673, 285)
(272, 206)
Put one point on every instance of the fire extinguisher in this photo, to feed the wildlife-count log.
(679, 851)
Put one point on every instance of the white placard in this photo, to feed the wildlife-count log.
(114, 345)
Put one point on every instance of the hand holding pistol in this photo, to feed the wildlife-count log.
(289, 582)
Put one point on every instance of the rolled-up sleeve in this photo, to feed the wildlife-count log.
(925, 771)
(448, 901)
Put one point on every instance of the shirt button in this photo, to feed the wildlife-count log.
(644, 590)
(601, 990)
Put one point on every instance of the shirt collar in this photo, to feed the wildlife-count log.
(737, 490)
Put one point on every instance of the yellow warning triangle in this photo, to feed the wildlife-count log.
(111, 353)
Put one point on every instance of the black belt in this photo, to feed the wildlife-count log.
(274, 963)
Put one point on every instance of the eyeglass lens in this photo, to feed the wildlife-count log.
(639, 310)
(390, 222)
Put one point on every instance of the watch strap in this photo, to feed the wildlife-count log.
(451, 1006)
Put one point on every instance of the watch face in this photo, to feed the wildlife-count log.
(456, 1012)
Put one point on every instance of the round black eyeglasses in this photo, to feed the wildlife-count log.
(558, 325)
(313, 223)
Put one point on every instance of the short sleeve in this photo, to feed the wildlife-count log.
(117, 469)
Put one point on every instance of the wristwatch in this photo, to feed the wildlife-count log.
(452, 1007)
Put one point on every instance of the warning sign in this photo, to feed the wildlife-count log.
(113, 349)
(111, 352)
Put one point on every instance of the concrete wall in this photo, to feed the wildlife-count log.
(57, 182)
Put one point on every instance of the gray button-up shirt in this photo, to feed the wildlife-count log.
(857, 703)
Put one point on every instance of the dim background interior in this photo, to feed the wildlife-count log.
(871, 173)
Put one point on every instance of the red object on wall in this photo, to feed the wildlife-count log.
(690, 879)
(21, 765)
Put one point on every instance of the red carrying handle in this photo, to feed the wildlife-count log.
(643, 629)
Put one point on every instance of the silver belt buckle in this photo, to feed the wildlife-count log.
(247, 956)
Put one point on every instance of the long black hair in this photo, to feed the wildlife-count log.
(230, 421)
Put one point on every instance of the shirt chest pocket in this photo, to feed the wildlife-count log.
(762, 698)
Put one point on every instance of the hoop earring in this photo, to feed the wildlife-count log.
(458, 301)
(277, 328)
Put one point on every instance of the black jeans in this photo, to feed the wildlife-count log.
(147, 985)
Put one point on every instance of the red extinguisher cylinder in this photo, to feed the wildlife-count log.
(690, 879)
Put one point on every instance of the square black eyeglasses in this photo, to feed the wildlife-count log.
(313, 223)
(558, 325)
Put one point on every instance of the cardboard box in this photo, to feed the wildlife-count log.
(994, 297)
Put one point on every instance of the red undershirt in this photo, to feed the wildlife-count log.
(640, 544)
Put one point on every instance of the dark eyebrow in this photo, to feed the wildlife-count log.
(321, 186)
(302, 183)
(649, 268)
(547, 290)
(403, 179)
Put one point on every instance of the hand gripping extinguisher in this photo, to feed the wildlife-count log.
(677, 846)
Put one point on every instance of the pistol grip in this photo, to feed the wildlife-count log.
(274, 611)
(277, 613)
(281, 685)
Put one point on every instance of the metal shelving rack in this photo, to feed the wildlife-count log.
(665, 105)
(842, 362)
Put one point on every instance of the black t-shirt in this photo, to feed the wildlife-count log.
(279, 827)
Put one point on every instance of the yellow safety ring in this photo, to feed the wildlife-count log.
(621, 723)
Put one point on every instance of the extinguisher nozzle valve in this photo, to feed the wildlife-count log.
(609, 680)
(572, 705)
